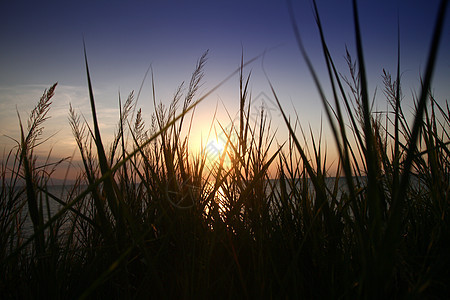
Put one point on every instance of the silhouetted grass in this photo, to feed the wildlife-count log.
(149, 219)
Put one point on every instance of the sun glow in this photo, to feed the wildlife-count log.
(215, 148)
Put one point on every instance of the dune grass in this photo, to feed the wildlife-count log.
(148, 219)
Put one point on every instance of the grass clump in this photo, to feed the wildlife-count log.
(147, 218)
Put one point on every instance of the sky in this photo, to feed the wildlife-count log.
(42, 43)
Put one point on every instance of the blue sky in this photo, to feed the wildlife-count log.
(42, 43)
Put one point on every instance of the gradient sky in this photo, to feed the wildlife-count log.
(42, 43)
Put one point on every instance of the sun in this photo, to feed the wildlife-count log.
(215, 148)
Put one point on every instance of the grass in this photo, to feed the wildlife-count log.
(146, 218)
